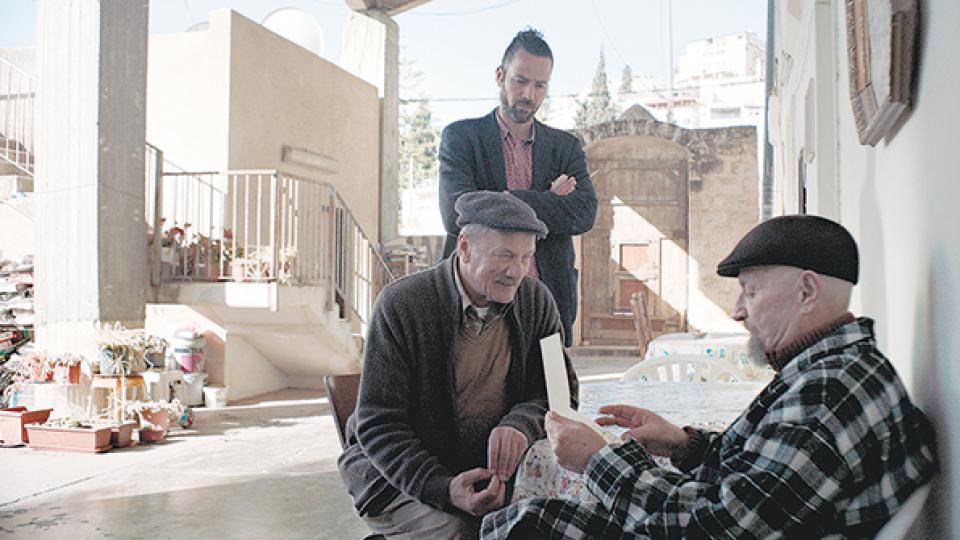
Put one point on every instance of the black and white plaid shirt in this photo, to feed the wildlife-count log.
(831, 448)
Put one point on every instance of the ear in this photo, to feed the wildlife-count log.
(463, 248)
(811, 288)
(500, 73)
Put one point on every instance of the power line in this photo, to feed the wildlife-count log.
(459, 13)
(591, 94)
(604, 29)
(190, 13)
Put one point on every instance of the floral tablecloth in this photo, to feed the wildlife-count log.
(706, 405)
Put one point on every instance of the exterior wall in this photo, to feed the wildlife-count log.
(282, 94)
(723, 206)
(16, 228)
(188, 96)
(899, 200)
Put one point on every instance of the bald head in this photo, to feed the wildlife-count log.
(781, 304)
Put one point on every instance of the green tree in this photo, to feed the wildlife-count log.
(418, 137)
(418, 146)
(626, 81)
(599, 107)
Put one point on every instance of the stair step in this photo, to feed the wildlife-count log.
(15, 183)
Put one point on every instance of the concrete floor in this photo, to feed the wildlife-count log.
(263, 468)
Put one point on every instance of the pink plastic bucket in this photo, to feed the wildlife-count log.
(189, 361)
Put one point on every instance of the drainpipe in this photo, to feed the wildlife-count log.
(766, 187)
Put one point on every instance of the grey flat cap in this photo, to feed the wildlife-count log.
(802, 241)
(498, 210)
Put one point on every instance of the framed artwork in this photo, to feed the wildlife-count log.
(881, 36)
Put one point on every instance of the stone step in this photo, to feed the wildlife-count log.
(11, 183)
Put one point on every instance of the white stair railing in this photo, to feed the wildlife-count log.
(17, 108)
(261, 226)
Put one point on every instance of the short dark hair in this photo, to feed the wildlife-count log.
(532, 41)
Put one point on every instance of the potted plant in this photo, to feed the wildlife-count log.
(66, 368)
(34, 367)
(123, 353)
(13, 422)
(154, 417)
(69, 434)
(121, 433)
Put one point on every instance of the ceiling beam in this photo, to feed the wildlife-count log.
(390, 7)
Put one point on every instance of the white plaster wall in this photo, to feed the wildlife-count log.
(188, 96)
(16, 229)
(900, 201)
(283, 94)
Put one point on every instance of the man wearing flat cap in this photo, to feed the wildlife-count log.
(452, 391)
(832, 447)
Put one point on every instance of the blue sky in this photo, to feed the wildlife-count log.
(458, 43)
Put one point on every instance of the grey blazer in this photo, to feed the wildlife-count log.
(471, 158)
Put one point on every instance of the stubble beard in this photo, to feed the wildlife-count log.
(513, 112)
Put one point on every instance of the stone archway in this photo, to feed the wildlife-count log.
(663, 222)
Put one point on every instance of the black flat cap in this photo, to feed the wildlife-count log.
(802, 241)
(498, 210)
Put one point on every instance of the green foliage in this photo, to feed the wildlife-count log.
(599, 107)
(626, 81)
(418, 137)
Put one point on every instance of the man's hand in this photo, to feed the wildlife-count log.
(660, 437)
(574, 443)
(505, 447)
(563, 185)
(477, 503)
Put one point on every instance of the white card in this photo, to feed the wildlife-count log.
(558, 387)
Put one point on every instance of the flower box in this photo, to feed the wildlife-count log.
(13, 423)
(80, 439)
(121, 435)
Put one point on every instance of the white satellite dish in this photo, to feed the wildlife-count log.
(199, 27)
(298, 26)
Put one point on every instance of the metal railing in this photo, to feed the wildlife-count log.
(261, 225)
(17, 109)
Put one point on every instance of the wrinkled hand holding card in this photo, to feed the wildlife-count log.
(558, 389)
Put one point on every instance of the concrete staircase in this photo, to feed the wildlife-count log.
(253, 349)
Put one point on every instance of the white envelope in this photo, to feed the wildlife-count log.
(558, 389)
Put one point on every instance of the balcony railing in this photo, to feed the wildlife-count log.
(17, 107)
(261, 226)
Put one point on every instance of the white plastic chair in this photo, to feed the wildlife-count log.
(899, 525)
(684, 368)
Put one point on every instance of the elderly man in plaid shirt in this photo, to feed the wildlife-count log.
(832, 447)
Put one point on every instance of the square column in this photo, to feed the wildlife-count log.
(91, 237)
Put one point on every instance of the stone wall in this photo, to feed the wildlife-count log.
(723, 204)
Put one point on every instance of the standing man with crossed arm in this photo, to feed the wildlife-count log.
(509, 150)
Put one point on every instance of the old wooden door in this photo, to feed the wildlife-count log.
(639, 242)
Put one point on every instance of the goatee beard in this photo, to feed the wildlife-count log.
(757, 352)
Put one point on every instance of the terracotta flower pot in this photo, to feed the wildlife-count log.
(88, 439)
(13, 421)
(67, 374)
(159, 418)
(122, 436)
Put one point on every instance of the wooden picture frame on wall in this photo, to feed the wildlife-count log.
(881, 36)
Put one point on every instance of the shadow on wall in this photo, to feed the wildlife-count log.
(932, 334)
(871, 246)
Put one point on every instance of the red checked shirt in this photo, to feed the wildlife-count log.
(518, 165)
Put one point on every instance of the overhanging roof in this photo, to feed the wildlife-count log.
(391, 7)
